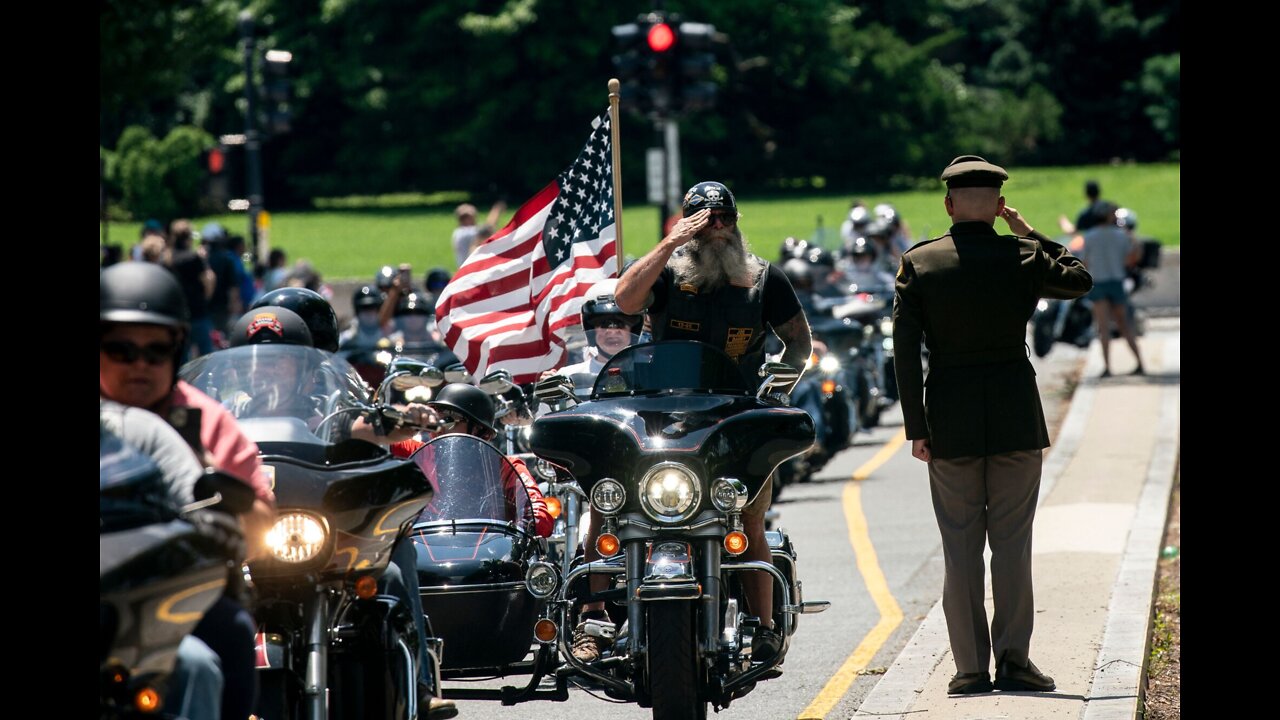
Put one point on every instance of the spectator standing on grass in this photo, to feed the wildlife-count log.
(468, 234)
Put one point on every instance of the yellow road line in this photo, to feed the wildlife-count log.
(869, 566)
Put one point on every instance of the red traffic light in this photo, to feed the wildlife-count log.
(216, 160)
(661, 37)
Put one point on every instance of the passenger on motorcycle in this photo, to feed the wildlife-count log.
(701, 283)
(467, 410)
(608, 331)
(143, 317)
(314, 310)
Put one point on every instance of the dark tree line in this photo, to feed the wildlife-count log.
(492, 96)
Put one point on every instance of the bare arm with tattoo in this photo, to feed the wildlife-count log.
(633, 288)
(798, 342)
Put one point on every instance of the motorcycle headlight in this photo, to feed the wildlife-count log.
(886, 326)
(296, 537)
(728, 494)
(829, 364)
(543, 469)
(1042, 305)
(888, 343)
(607, 496)
(541, 579)
(669, 492)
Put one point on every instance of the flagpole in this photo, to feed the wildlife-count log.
(615, 133)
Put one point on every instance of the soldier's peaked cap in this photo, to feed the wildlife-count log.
(973, 171)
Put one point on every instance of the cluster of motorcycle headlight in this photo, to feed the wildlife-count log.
(296, 537)
(669, 492)
(728, 494)
(608, 496)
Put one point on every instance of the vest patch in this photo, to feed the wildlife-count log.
(738, 341)
(685, 325)
(688, 287)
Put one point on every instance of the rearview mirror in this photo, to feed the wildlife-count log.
(553, 389)
(496, 382)
(782, 373)
(457, 373)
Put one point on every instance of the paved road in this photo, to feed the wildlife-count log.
(823, 517)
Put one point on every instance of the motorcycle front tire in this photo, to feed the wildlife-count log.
(674, 673)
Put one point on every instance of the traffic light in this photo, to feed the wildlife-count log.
(277, 90)
(646, 64)
(665, 64)
(696, 58)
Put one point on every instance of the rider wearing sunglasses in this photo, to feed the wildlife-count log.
(702, 283)
(143, 327)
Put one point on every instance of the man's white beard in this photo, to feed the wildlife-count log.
(708, 265)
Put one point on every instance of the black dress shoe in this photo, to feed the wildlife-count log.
(1011, 676)
(969, 683)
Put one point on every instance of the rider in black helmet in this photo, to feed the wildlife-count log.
(415, 320)
(143, 316)
(365, 331)
(312, 307)
(864, 271)
(435, 280)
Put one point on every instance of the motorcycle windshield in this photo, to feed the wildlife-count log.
(670, 365)
(473, 481)
(282, 393)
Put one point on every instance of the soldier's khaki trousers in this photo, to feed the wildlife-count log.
(980, 500)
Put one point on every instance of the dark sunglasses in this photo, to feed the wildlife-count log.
(123, 351)
(726, 218)
(619, 324)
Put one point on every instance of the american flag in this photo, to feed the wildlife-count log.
(514, 299)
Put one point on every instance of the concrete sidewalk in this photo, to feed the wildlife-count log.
(1098, 531)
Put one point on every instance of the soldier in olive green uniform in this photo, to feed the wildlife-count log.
(980, 427)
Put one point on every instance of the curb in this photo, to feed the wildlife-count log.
(1119, 674)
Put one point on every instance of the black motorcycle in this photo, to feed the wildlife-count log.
(671, 446)
(158, 573)
(329, 645)
(872, 354)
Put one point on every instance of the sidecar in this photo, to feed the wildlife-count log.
(476, 550)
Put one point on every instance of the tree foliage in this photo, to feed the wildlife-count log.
(491, 96)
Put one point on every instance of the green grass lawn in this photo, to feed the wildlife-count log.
(355, 243)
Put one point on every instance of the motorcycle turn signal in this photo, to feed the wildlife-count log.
(607, 544)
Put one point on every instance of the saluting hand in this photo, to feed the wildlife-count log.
(1017, 225)
(687, 228)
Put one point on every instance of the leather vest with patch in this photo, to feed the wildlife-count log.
(730, 318)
